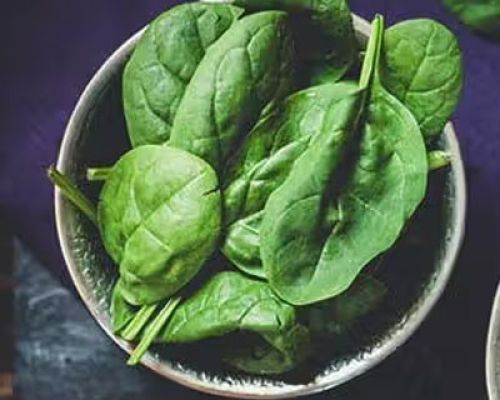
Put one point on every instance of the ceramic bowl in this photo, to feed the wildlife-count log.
(416, 271)
(493, 351)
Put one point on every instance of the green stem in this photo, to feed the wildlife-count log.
(140, 319)
(372, 50)
(152, 331)
(72, 193)
(98, 173)
(437, 159)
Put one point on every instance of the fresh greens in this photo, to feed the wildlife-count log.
(300, 217)
(273, 353)
(482, 16)
(242, 244)
(301, 192)
(422, 67)
(163, 63)
(315, 242)
(336, 316)
(323, 33)
(122, 313)
(249, 68)
(264, 161)
(230, 302)
(159, 215)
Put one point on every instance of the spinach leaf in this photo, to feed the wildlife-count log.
(159, 214)
(163, 63)
(296, 223)
(422, 67)
(231, 302)
(271, 354)
(247, 69)
(482, 16)
(293, 231)
(264, 161)
(336, 316)
(266, 156)
(121, 311)
(242, 244)
(323, 33)
(314, 243)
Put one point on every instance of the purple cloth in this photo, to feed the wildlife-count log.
(51, 48)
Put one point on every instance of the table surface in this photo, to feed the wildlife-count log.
(51, 50)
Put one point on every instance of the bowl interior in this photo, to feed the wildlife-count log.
(415, 271)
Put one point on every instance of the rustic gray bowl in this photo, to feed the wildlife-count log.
(493, 351)
(417, 270)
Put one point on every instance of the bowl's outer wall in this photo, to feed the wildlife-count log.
(493, 350)
(82, 251)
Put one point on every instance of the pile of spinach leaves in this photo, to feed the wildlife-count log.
(256, 133)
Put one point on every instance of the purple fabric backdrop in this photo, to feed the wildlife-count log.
(50, 49)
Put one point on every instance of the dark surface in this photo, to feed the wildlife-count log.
(50, 49)
(61, 353)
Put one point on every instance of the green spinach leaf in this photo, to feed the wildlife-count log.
(296, 224)
(159, 214)
(271, 354)
(323, 33)
(231, 302)
(314, 243)
(336, 316)
(121, 311)
(264, 161)
(422, 67)
(293, 232)
(242, 244)
(247, 69)
(163, 63)
(482, 16)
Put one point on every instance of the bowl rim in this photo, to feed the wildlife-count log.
(71, 135)
(491, 348)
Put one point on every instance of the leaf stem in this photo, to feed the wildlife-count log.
(437, 159)
(98, 173)
(140, 319)
(72, 193)
(372, 50)
(152, 330)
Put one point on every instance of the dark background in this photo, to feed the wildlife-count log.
(49, 49)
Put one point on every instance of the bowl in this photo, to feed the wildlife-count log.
(417, 269)
(493, 351)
